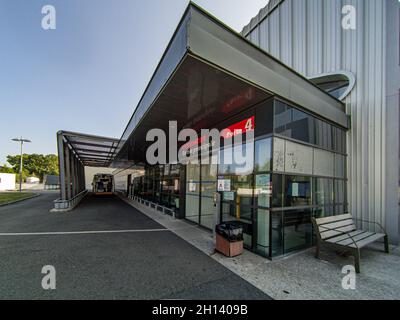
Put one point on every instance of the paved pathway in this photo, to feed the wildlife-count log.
(138, 259)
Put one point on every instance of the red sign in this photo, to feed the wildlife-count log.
(236, 129)
(239, 128)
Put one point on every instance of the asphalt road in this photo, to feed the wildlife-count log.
(149, 262)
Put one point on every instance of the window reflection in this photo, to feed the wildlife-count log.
(297, 229)
(297, 191)
(277, 191)
(296, 124)
(240, 161)
(263, 218)
(276, 234)
(323, 192)
(263, 190)
(263, 158)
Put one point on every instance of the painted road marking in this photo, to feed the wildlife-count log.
(80, 232)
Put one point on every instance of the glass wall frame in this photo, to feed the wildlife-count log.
(276, 205)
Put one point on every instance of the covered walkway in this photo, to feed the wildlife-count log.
(77, 151)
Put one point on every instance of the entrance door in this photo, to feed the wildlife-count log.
(208, 189)
(192, 212)
(201, 184)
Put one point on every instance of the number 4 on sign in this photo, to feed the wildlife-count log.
(249, 125)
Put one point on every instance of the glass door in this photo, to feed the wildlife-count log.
(208, 188)
(193, 183)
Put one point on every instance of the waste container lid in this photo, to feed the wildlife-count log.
(231, 225)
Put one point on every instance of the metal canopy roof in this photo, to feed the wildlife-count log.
(203, 38)
(92, 151)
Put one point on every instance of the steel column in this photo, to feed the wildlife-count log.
(61, 166)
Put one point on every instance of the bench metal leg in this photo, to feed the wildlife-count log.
(357, 260)
(386, 244)
(317, 250)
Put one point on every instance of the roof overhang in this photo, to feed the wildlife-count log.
(208, 73)
(91, 151)
(335, 76)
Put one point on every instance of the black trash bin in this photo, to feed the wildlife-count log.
(231, 231)
(229, 238)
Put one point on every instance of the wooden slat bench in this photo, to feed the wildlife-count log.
(340, 232)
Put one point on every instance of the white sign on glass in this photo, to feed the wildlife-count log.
(224, 185)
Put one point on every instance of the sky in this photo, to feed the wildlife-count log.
(89, 73)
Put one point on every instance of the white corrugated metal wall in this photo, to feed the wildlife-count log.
(307, 35)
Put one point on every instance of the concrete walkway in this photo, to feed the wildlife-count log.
(300, 276)
(105, 249)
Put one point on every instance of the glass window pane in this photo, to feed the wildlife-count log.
(192, 207)
(192, 192)
(277, 191)
(319, 134)
(322, 212)
(263, 190)
(297, 229)
(297, 191)
(276, 234)
(340, 191)
(263, 155)
(238, 160)
(207, 210)
(209, 173)
(263, 232)
(323, 192)
(208, 188)
(264, 118)
(174, 204)
(225, 161)
(340, 166)
(302, 127)
(175, 170)
(282, 118)
(342, 147)
(339, 209)
(243, 158)
(243, 186)
(327, 132)
(157, 189)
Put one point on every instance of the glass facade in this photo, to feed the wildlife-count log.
(159, 184)
(309, 176)
(201, 181)
(295, 170)
(298, 125)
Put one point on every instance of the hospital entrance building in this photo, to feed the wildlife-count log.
(321, 100)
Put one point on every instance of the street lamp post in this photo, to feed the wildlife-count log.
(21, 141)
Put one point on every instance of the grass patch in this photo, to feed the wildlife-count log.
(6, 197)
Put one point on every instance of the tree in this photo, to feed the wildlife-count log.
(6, 169)
(35, 164)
